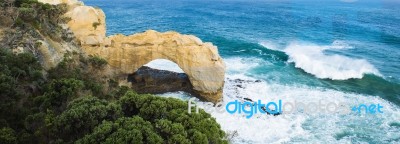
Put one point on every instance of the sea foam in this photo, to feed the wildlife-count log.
(296, 127)
(313, 59)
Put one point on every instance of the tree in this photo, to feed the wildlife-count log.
(20, 77)
(171, 120)
(58, 93)
(82, 116)
(123, 131)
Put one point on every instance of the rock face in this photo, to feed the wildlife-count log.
(148, 80)
(126, 54)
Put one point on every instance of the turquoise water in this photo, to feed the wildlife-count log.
(302, 50)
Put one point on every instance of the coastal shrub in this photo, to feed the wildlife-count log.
(81, 116)
(87, 69)
(97, 61)
(125, 130)
(58, 92)
(7, 136)
(20, 77)
(55, 108)
(171, 119)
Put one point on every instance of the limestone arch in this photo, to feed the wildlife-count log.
(200, 61)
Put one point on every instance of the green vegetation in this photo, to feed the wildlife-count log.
(79, 100)
(76, 103)
(97, 61)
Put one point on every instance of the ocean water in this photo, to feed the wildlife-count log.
(307, 51)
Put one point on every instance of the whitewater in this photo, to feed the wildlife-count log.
(312, 59)
(297, 126)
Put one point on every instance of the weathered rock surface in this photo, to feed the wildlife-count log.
(148, 80)
(200, 61)
(87, 23)
(126, 54)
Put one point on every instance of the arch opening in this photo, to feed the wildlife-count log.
(160, 76)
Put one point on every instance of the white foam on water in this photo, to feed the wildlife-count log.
(180, 95)
(298, 127)
(303, 127)
(239, 65)
(270, 45)
(163, 64)
(312, 59)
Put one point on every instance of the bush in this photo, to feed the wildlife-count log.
(58, 93)
(123, 131)
(171, 120)
(20, 77)
(62, 113)
(97, 61)
(7, 136)
(81, 116)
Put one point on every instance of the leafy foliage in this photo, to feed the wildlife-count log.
(124, 130)
(171, 120)
(81, 116)
(62, 110)
(7, 136)
(97, 61)
(18, 74)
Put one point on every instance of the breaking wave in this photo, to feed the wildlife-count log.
(312, 59)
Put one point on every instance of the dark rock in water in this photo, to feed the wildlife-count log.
(262, 108)
(148, 80)
(274, 114)
(248, 99)
(240, 86)
(243, 81)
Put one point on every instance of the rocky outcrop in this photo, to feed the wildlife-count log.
(126, 54)
(48, 49)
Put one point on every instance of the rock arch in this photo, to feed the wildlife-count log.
(200, 61)
(126, 54)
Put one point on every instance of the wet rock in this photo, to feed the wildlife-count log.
(248, 99)
(262, 108)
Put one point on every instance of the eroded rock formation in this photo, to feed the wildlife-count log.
(126, 54)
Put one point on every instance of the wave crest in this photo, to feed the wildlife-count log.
(312, 59)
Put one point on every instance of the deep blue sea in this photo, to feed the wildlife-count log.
(333, 51)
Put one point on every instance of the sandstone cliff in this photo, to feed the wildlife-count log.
(126, 54)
